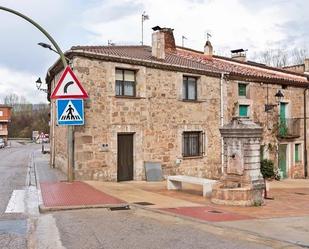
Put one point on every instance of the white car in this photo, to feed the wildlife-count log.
(2, 145)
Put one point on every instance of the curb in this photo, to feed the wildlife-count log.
(44, 209)
(220, 230)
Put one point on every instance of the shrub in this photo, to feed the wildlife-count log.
(267, 169)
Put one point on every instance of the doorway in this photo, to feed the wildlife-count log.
(283, 129)
(125, 157)
(283, 159)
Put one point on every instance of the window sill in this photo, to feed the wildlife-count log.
(191, 157)
(192, 100)
(128, 97)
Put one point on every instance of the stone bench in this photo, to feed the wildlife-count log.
(175, 182)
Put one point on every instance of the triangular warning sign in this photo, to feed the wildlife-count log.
(69, 86)
(70, 113)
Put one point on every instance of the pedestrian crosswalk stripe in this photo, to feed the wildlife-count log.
(70, 113)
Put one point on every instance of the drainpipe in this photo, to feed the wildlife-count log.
(222, 119)
(305, 136)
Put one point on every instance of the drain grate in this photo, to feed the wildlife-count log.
(214, 211)
(143, 203)
(119, 208)
(299, 193)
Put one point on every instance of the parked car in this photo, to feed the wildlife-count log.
(2, 144)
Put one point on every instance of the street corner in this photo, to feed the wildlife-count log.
(75, 195)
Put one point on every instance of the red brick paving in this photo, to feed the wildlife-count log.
(74, 194)
(203, 213)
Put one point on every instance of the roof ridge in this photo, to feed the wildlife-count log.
(108, 46)
(254, 64)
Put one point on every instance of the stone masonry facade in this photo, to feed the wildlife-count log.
(256, 99)
(157, 115)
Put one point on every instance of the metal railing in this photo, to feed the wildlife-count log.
(289, 128)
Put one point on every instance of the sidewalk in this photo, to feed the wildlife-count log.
(286, 218)
(57, 194)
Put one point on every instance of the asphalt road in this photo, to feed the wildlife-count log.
(93, 228)
(13, 172)
(100, 228)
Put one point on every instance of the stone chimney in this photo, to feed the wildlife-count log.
(162, 40)
(239, 54)
(208, 50)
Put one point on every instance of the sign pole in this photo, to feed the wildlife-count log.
(70, 131)
(70, 153)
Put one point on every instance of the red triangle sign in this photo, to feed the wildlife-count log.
(69, 87)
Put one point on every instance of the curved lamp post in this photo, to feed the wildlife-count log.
(64, 62)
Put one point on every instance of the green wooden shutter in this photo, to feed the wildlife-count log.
(242, 90)
(296, 153)
(243, 111)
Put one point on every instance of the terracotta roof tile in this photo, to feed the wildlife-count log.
(196, 60)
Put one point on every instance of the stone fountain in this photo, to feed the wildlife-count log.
(242, 182)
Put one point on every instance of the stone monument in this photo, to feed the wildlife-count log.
(242, 182)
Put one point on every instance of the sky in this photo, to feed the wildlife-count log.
(256, 25)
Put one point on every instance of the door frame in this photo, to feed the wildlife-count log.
(287, 156)
(133, 154)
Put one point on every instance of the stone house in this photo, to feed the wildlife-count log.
(164, 103)
(5, 119)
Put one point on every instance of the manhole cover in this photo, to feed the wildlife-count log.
(143, 203)
(299, 193)
(119, 208)
(214, 211)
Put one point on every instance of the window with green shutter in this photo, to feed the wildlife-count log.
(243, 110)
(242, 90)
(297, 153)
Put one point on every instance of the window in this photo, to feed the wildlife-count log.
(297, 153)
(189, 88)
(1, 113)
(193, 143)
(243, 110)
(125, 82)
(1, 127)
(242, 90)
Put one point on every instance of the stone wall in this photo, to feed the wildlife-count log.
(157, 117)
(257, 98)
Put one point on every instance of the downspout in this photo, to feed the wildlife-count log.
(222, 119)
(305, 136)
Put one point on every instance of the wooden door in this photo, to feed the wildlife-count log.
(125, 157)
(282, 159)
(283, 129)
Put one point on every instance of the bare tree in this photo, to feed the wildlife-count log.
(26, 117)
(273, 57)
(298, 55)
(11, 99)
(281, 57)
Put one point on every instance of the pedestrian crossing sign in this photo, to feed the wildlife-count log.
(70, 112)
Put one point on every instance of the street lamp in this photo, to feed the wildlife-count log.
(70, 134)
(279, 96)
(46, 45)
(39, 84)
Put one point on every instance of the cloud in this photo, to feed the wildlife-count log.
(253, 25)
(248, 24)
(21, 83)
